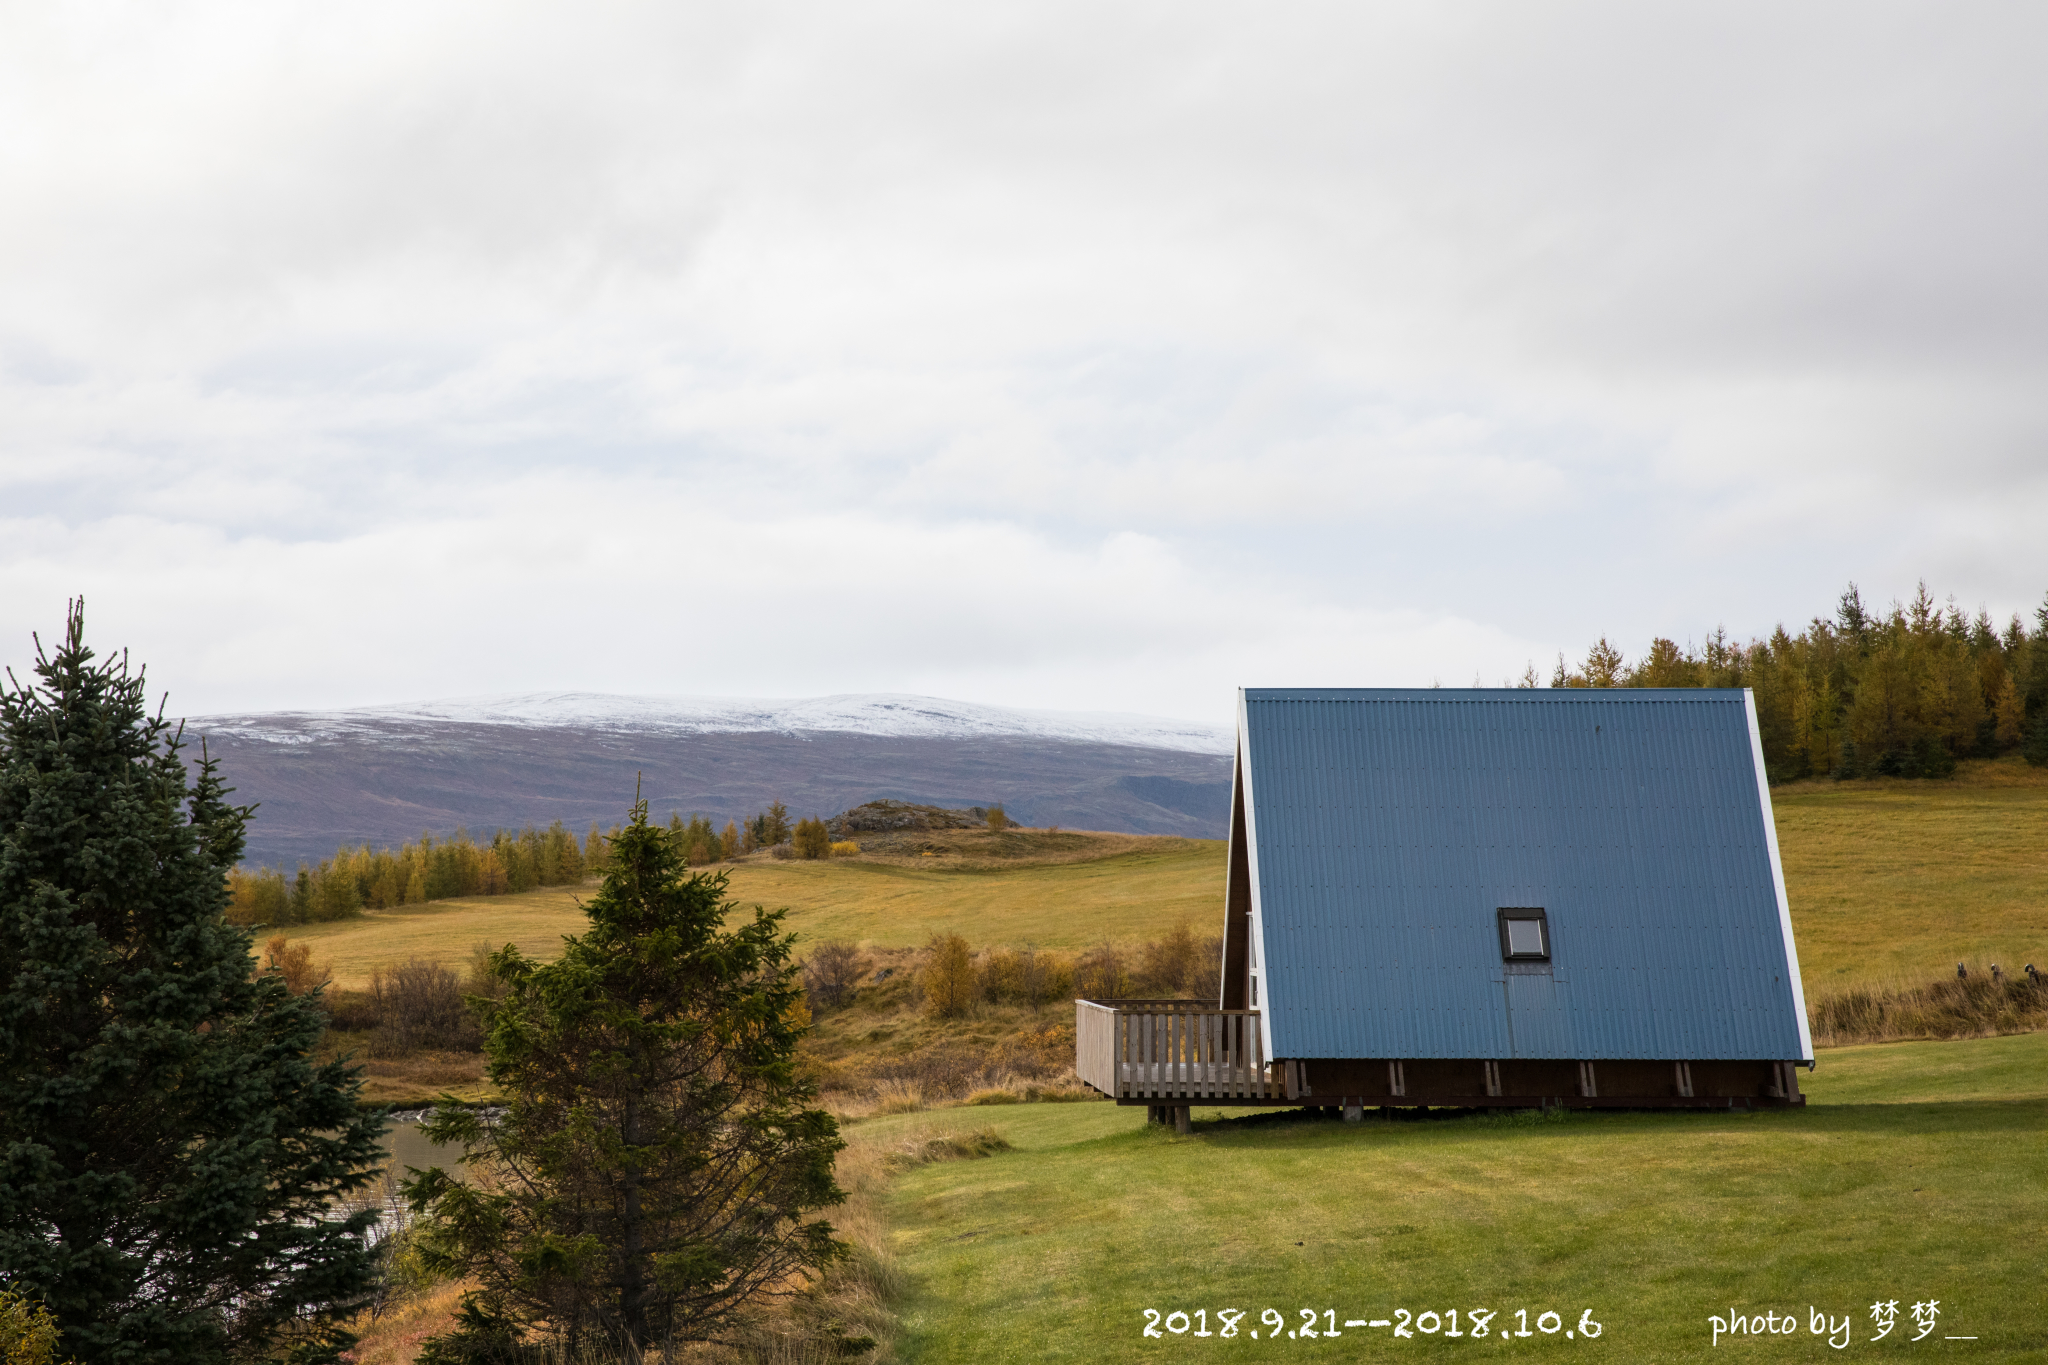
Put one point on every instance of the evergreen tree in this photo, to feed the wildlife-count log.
(2034, 701)
(658, 1161)
(170, 1152)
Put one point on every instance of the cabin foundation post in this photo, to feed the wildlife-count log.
(1183, 1118)
(1354, 1113)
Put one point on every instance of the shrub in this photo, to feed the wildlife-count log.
(1024, 976)
(419, 1006)
(844, 848)
(832, 973)
(479, 981)
(1180, 966)
(1101, 974)
(997, 821)
(28, 1333)
(294, 962)
(948, 976)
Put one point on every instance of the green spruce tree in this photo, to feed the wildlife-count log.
(658, 1165)
(2035, 701)
(170, 1151)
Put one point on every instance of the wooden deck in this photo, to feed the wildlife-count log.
(1171, 1053)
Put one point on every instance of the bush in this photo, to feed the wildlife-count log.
(479, 981)
(1024, 976)
(294, 962)
(997, 821)
(28, 1334)
(832, 973)
(1101, 974)
(844, 848)
(419, 1006)
(1180, 966)
(948, 977)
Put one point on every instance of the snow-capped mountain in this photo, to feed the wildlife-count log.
(382, 774)
(892, 714)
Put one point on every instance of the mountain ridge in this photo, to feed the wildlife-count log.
(383, 774)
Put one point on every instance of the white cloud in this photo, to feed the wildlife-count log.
(1361, 345)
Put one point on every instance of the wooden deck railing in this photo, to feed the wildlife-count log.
(1170, 1050)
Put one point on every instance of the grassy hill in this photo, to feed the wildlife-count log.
(1893, 880)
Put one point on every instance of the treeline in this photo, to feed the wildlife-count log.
(430, 869)
(951, 976)
(1904, 692)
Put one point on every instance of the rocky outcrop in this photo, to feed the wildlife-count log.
(891, 817)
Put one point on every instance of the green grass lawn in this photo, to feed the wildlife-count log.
(1917, 1171)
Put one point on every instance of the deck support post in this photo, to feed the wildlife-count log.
(1183, 1118)
(1354, 1113)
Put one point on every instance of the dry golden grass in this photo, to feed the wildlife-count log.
(396, 1334)
(1895, 881)
(417, 1078)
(1952, 1007)
(1064, 890)
(443, 931)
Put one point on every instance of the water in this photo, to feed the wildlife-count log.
(409, 1147)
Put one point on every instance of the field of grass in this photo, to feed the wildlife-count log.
(1895, 881)
(1139, 889)
(1918, 1171)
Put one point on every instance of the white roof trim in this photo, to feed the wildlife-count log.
(1256, 945)
(1763, 796)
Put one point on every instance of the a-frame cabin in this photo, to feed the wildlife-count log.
(1485, 898)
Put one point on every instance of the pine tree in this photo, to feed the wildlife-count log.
(2035, 699)
(659, 1163)
(170, 1151)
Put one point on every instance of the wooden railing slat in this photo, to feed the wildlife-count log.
(1169, 1050)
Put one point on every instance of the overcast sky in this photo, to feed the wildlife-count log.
(1082, 356)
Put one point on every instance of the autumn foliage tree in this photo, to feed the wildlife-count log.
(812, 839)
(947, 978)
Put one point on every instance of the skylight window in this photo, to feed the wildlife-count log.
(1524, 933)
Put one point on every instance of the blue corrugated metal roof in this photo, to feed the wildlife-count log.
(1389, 825)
